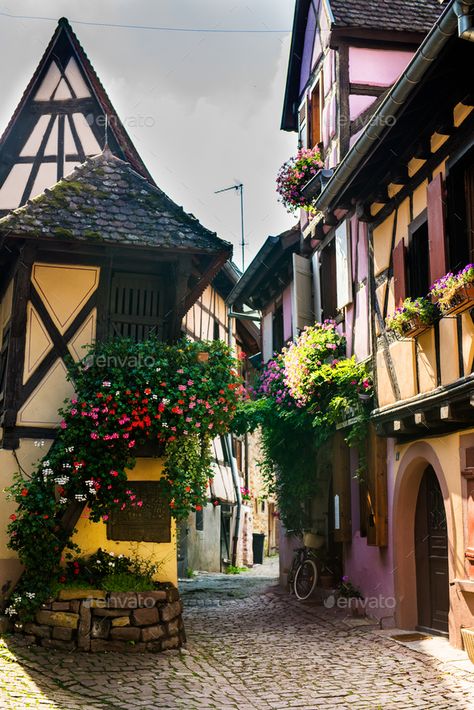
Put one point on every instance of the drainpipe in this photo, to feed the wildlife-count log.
(464, 10)
(233, 466)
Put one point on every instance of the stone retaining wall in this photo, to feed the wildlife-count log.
(95, 620)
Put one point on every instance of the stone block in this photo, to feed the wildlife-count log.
(170, 611)
(60, 645)
(152, 633)
(61, 606)
(110, 612)
(172, 594)
(117, 646)
(121, 621)
(146, 617)
(172, 627)
(57, 618)
(68, 594)
(149, 599)
(154, 646)
(100, 627)
(62, 634)
(172, 642)
(36, 630)
(122, 600)
(126, 633)
(75, 606)
(84, 630)
(29, 639)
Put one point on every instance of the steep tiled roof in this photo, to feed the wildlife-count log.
(397, 15)
(104, 200)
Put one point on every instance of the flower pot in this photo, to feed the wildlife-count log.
(462, 300)
(468, 639)
(313, 540)
(413, 327)
(202, 357)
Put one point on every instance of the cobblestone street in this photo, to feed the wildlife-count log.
(249, 646)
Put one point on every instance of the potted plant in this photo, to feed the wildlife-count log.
(294, 175)
(413, 317)
(454, 293)
(353, 595)
(245, 493)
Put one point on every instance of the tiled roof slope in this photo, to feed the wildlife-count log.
(397, 15)
(104, 200)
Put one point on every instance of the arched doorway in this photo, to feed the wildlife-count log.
(431, 555)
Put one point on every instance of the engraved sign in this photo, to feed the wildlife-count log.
(149, 523)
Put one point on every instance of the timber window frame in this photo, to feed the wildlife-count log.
(418, 257)
(136, 305)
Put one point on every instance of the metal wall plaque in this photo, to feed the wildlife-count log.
(149, 523)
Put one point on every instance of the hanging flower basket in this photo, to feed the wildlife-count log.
(462, 300)
(412, 318)
(294, 175)
(454, 293)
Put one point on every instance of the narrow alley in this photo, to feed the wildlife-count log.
(249, 647)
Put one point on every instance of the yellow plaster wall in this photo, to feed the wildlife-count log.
(64, 289)
(382, 239)
(403, 358)
(414, 165)
(384, 388)
(5, 309)
(437, 140)
(460, 113)
(403, 220)
(90, 536)
(37, 342)
(467, 343)
(419, 198)
(448, 343)
(426, 353)
(41, 407)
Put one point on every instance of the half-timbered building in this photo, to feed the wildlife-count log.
(395, 215)
(90, 248)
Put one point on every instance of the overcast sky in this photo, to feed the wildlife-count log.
(203, 109)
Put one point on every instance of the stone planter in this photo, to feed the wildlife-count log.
(462, 300)
(94, 620)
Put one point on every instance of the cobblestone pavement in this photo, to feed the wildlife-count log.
(249, 647)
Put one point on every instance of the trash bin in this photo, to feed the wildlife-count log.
(258, 542)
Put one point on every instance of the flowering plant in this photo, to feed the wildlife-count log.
(302, 394)
(420, 309)
(347, 590)
(127, 394)
(445, 289)
(245, 493)
(294, 174)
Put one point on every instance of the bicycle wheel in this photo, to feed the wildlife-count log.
(305, 579)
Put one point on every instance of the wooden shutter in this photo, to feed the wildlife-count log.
(302, 297)
(135, 306)
(399, 257)
(376, 490)
(437, 228)
(3, 362)
(328, 280)
(267, 336)
(316, 286)
(341, 487)
(343, 265)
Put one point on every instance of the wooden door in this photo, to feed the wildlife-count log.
(431, 549)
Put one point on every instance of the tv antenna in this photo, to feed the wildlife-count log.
(240, 189)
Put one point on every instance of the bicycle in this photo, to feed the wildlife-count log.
(303, 575)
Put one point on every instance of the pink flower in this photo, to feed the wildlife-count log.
(197, 425)
(182, 388)
(139, 503)
(94, 435)
(105, 518)
(63, 425)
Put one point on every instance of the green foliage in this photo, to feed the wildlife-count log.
(303, 393)
(420, 308)
(128, 394)
(125, 582)
(231, 569)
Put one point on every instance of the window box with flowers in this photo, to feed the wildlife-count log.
(294, 175)
(412, 318)
(454, 293)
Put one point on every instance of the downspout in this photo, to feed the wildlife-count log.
(233, 466)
